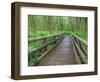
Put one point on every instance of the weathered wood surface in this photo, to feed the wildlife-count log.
(62, 54)
(77, 46)
(44, 37)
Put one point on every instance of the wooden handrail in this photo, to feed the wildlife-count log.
(44, 47)
(78, 43)
(39, 38)
(82, 56)
(80, 39)
(36, 49)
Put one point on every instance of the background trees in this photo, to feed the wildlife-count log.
(45, 25)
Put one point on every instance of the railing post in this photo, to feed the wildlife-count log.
(54, 38)
(44, 41)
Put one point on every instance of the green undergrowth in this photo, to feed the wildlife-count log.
(82, 35)
(41, 33)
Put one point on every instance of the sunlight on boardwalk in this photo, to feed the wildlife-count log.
(62, 54)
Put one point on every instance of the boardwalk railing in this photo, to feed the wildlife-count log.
(80, 49)
(44, 45)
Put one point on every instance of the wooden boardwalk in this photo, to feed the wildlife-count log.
(62, 54)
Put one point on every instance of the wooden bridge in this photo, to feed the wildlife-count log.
(58, 50)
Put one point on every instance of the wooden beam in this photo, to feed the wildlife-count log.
(39, 38)
(80, 39)
(78, 60)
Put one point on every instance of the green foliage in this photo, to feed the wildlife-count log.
(46, 25)
(38, 34)
(81, 34)
(66, 33)
(35, 44)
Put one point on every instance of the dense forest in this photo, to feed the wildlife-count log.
(46, 25)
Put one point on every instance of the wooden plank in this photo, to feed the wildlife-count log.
(62, 54)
